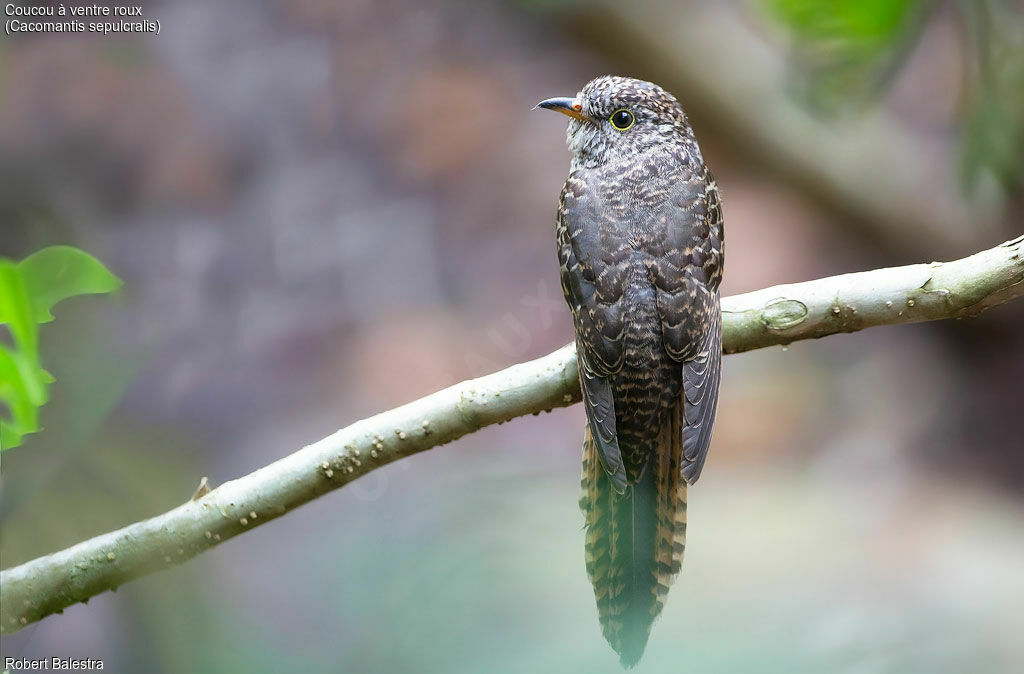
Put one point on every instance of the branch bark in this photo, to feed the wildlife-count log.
(777, 315)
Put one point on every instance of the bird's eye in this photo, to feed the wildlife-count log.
(622, 119)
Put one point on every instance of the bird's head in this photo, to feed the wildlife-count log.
(614, 118)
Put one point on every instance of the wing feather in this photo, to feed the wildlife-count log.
(593, 281)
(701, 376)
(599, 403)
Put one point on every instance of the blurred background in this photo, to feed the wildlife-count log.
(322, 210)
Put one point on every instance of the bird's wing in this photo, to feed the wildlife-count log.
(686, 275)
(701, 376)
(593, 272)
(600, 406)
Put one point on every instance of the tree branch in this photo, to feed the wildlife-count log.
(851, 302)
(777, 315)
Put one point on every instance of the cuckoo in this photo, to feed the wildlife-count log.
(640, 244)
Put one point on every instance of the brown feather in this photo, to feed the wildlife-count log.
(627, 610)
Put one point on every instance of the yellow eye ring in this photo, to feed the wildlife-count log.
(622, 119)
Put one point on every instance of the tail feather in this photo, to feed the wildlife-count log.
(635, 540)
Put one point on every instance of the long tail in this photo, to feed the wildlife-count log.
(635, 540)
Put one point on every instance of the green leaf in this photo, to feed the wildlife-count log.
(849, 20)
(9, 438)
(16, 307)
(59, 272)
(28, 290)
(846, 49)
(23, 390)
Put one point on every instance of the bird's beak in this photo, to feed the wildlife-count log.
(566, 106)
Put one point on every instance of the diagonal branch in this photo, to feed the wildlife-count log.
(851, 302)
(777, 315)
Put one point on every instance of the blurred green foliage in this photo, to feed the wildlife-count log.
(28, 290)
(847, 51)
(846, 47)
(994, 116)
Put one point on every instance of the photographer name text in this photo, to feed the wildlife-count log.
(51, 664)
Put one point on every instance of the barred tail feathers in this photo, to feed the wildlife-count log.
(635, 540)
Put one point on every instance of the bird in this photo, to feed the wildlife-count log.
(640, 242)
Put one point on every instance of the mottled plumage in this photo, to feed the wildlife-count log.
(640, 243)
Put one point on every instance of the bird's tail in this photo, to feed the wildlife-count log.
(635, 540)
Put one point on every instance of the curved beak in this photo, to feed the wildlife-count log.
(566, 106)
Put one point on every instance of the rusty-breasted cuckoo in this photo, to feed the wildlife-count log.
(640, 244)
